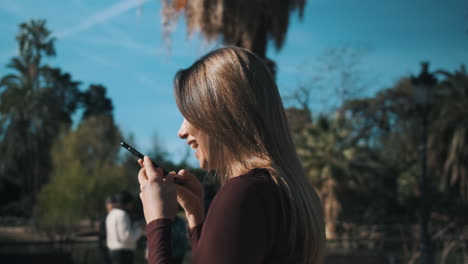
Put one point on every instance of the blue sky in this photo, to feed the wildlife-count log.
(119, 44)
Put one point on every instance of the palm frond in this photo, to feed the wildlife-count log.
(245, 23)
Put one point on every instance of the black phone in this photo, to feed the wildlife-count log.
(141, 156)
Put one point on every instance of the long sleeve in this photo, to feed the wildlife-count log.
(194, 235)
(159, 233)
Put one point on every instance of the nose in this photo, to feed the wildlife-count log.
(183, 132)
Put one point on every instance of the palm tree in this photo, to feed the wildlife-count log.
(35, 41)
(325, 153)
(33, 102)
(17, 105)
(449, 136)
(242, 23)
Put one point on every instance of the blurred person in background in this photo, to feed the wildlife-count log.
(122, 235)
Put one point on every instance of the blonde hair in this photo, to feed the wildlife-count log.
(231, 96)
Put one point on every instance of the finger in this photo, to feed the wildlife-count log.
(182, 190)
(169, 179)
(187, 176)
(184, 194)
(148, 163)
(189, 180)
(184, 173)
(179, 177)
(150, 169)
(142, 177)
(185, 197)
(159, 175)
(140, 161)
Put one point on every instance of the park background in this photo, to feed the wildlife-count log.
(370, 123)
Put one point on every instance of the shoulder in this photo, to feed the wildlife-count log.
(254, 180)
(254, 187)
(116, 213)
(248, 206)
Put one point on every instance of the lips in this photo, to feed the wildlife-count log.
(193, 144)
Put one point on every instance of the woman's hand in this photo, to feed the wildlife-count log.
(190, 197)
(158, 193)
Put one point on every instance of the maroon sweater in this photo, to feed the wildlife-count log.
(243, 225)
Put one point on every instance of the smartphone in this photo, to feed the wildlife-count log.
(141, 156)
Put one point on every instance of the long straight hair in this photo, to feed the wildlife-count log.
(231, 96)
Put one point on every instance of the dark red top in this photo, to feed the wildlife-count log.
(243, 225)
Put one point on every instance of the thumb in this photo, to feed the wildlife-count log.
(170, 177)
(186, 175)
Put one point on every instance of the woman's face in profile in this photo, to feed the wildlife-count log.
(195, 141)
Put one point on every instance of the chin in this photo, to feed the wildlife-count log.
(203, 164)
(202, 161)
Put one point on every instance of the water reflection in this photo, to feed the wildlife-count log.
(77, 253)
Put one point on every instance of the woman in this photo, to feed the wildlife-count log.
(265, 211)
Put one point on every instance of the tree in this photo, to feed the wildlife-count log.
(242, 23)
(449, 137)
(336, 77)
(35, 102)
(391, 115)
(391, 124)
(34, 41)
(86, 170)
(326, 150)
(95, 101)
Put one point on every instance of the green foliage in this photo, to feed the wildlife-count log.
(36, 102)
(342, 168)
(449, 138)
(365, 160)
(393, 124)
(61, 200)
(85, 171)
(95, 102)
(35, 41)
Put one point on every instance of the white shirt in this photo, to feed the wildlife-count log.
(120, 232)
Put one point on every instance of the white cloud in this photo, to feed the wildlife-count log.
(102, 17)
(125, 40)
